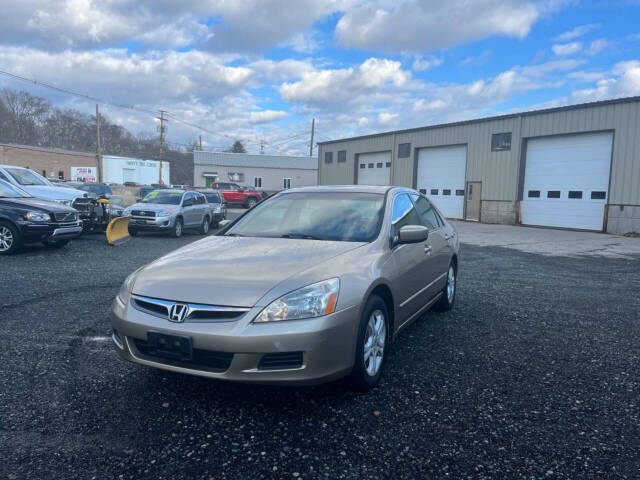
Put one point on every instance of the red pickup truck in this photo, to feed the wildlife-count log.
(235, 194)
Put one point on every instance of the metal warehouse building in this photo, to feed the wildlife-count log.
(571, 167)
(269, 172)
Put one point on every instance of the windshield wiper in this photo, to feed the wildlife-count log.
(299, 235)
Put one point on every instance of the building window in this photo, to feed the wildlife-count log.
(534, 193)
(60, 175)
(500, 142)
(371, 165)
(388, 164)
(404, 150)
(379, 165)
(257, 182)
(328, 157)
(342, 156)
(575, 194)
(362, 165)
(286, 183)
(460, 193)
(434, 191)
(446, 191)
(598, 195)
(553, 194)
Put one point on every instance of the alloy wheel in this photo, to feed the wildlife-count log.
(374, 344)
(178, 229)
(451, 283)
(6, 239)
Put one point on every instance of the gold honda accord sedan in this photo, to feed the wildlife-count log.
(310, 285)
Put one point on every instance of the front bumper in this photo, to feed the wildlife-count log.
(156, 224)
(36, 232)
(327, 345)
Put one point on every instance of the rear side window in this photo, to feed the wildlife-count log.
(404, 213)
(429, 216)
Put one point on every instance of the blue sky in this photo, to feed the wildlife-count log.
(260, 70)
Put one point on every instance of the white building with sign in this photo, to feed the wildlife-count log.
(125, 169)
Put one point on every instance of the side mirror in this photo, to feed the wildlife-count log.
(413, 234)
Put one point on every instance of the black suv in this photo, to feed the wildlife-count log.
(25, 219)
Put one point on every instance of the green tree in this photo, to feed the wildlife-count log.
(238, 147)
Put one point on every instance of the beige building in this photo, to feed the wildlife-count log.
(570, 167)
(52, 163)
(271, 173)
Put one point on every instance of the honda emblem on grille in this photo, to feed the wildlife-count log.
(178, 312)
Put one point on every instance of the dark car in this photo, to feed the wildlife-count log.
(25, 219)
(217, 204)
(99, 189)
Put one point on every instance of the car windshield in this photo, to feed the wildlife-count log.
(337, 216)
(10, 191)
(212, 197)
(27, 177)
(165, 198)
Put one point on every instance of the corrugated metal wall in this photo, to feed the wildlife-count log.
(499, 171)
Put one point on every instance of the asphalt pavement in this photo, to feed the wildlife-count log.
(534, 374)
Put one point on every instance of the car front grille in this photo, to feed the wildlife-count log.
(202, 359)
(142, 213)
(195, 313)
(281, 361)
(65, 216)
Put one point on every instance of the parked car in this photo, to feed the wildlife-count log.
(236, 195)
(99, 189)
(262, 193)
(311, 285)
(38, 186)
(169, 211)
(216, 204)
(25, 219)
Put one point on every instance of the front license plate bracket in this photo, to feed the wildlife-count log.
(172, 347)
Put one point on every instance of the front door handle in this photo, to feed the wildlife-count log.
(427, 249)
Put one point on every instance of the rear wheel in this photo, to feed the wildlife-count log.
(55, 243)
(251, 202)
(449, 291)
(204, 228)
(373, 340)
(176, 232)
(10, 241)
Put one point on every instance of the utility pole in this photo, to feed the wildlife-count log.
(313, 127)
(99, 150)
(200, 138)
(162, 120)
(262, 147)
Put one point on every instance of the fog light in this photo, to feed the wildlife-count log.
(115, 336)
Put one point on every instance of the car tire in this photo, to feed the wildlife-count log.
(204, 228)
(10, 240)
(176, 231)
(251, 202)
(372, 346)
(449, 291)
(55, 243)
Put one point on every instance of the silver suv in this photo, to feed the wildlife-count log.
(170, 211)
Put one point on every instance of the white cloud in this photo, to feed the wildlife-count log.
(565, 49)
(599, 45)
(386, 118)
(363, 121)
(586, 77)
(266, 116)
(421, 64)
(576, 32)
(476, 61)
(633, 37)
(420, 26)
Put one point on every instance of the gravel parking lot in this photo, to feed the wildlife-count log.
(534, 374)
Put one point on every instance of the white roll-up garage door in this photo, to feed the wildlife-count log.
(566, 180)
(441, 175)
(374, 168)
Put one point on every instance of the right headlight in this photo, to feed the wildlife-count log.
(314, 300)
(65, 202)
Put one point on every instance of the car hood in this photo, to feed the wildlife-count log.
(153, 207)
(52, 193)
(36, 204)
(232, 271)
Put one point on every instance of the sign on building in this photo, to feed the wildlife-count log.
(84, 174)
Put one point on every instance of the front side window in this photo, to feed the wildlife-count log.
(11, 191)
(427, 212)
(332, 216)
(27, 177)
(403, 213)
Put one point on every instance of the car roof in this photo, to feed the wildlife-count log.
(343, 188)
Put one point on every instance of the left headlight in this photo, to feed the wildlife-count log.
(65, 202)
(124, 294)
(37, 217)
(314, 300)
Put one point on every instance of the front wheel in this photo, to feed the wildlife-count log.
(204, 228)
(10, 241)
(176, 232)
(373, 340)
(449, 291)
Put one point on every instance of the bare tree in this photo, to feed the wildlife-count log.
(27, 114)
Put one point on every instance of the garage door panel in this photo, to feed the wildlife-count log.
(374, 168)
(441, 173)
(571, 163)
